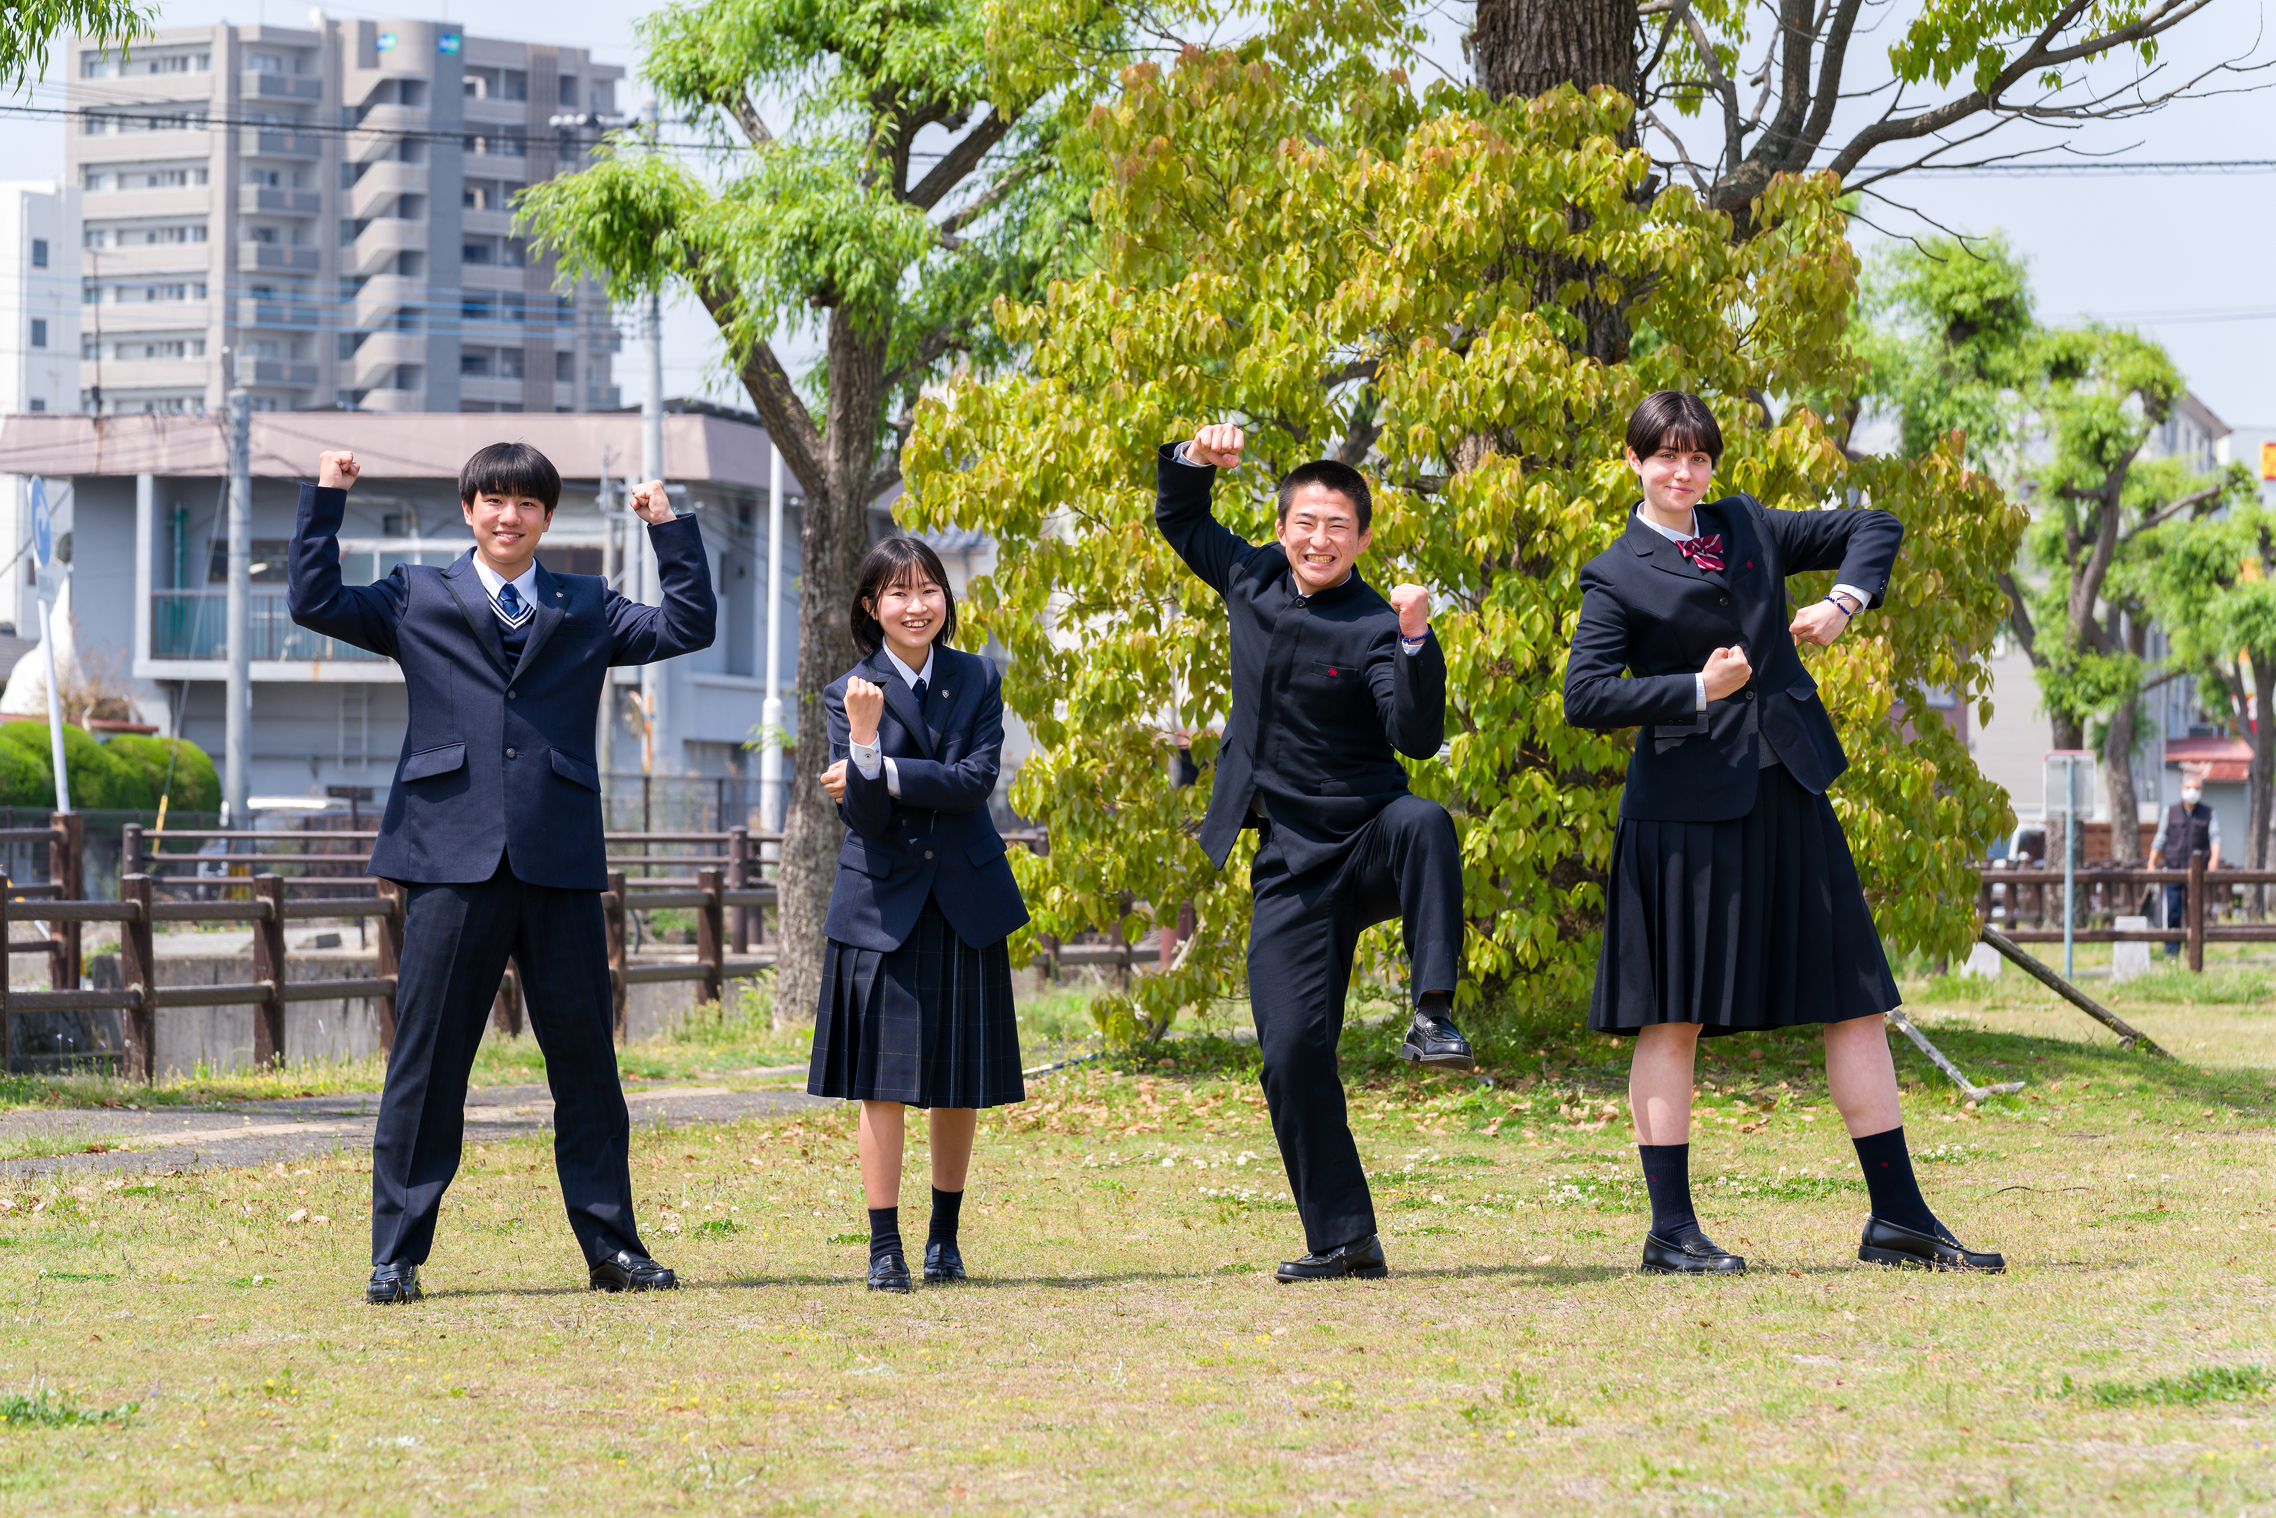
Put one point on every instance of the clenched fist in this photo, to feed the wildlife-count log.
(1727, 670)
(834, 782)
(1217, 445)
(1412, 603)
(1820, 622)
(337, 470)
(865, 703)
(650, 504)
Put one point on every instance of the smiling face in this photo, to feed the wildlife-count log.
(506, 529)
(1322, 536)
(911, 611)
(1675, 479)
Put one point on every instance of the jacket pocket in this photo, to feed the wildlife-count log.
(580, 774)
(1666, 735)
(429, 762)
(1804, 689)
(858, 856)
(980, 853)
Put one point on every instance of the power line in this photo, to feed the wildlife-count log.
(2071, 169)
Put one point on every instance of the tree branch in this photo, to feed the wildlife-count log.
(790, 427)
(2020, 616)
(959, 161)
(1011, 179)
(2194, 498)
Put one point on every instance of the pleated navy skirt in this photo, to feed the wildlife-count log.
(930, 1023)
(1759, 922)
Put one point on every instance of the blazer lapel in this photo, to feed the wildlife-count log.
(1741, 554)
(901, 701)
(483, 624)
(547, 618)
(1660, 551)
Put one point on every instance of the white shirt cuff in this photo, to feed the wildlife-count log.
(1414, 648)
(867, 759)
(1698, 680)
(1178, 453)
(1863, 600)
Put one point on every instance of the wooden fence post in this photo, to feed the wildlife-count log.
(711, 936)
(131, 851)
(2197, 913)
(612, 911)
(7, 965)
(269, 967)
(138, 972)
(66, 867)
(390, 962)
(738, 879)
(506, 1007)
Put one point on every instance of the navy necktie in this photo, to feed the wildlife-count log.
(920, 693)
(513, 622)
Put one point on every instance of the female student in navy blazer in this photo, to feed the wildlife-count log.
(1732, 901)
(916, 1007)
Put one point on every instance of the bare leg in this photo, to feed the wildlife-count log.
(952, 1130)
(1862, 1076)
(1659, 1082)
(879, 1143)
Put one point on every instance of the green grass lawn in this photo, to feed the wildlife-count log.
(195, 1342)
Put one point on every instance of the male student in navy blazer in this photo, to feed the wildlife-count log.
(494, 828)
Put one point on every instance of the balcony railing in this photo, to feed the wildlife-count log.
(194, 624)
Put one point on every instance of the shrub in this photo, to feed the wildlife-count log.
(196, 785)
(98, 781)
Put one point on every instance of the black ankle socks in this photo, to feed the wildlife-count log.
(1667, 1176)
(1889, 1181)
(884, 1231)
(1435, 1004)
(946, 1205)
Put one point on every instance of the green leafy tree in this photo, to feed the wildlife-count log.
(913, 176)
(27, 31)
(1303, 241)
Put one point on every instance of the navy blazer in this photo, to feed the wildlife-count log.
(1647, 609)
(1324, 700)
(497, 761)
(937, 839)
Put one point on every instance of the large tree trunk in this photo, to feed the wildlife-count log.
(833, 533)
(2260, 777)
(1525, 48)
(2118, 759)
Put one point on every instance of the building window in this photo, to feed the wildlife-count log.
(509, 363)
(565, 368)
(39, 252)
(94, 66)
(568, 89)
(39, 332)
(474, 363)
(38, 404)
(477, 253)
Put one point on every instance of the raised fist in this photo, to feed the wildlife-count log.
(1218, 446)
(834, 782)
(1412, 603)
(1727, 670)
(865, 704)
(337, 470)
(650, 504)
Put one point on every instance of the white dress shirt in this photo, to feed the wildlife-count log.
(525, 583)
(867, 757)
(1862, 599)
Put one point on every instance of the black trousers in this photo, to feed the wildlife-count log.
(1404, 863)
(2176, 914)
(456, 939)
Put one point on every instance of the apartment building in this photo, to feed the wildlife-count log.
(39, 341)
(322, 215)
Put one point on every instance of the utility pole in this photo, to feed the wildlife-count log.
(611, 568)
(651, 468)
(770, 715)
(237, 725)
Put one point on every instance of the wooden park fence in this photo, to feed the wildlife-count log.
(2104, 893)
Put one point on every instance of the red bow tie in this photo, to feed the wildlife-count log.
(1706, 552)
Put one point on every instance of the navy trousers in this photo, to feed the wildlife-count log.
(1406, 863)
(456, 940)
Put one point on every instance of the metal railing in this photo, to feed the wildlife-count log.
(194, 624)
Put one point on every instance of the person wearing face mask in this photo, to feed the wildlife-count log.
(1732, 903)
(916, 1005)
(1331, 682)
(2188, 827)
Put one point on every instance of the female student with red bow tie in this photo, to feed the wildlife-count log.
(1732, 902)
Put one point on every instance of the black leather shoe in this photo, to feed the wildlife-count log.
(1436, 1044)
(943, 1262)
(626, 1271)
(1694, 1254)
(395, 1282)
(1363, 1259)
(889, 1272)
(1887, 1244)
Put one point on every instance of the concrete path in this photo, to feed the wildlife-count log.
(260, 1133)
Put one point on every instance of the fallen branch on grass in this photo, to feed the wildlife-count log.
(1975, 1093)
(2128, 1034)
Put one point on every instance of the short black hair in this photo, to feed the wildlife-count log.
(1677, 418)
(891, 562)
(1338, 477)
(514, 469)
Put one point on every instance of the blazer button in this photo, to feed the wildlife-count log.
(1725, 601)
(510, 752)
(510, 695)
(928, 853)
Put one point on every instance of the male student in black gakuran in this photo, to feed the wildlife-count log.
(1331, 683)
(493, 826)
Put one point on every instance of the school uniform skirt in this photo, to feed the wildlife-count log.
(930, 1023)
(1759, 922)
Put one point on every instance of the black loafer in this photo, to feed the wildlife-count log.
(1363, 1259)
(1887, 1244)
(1694, 1254)
(889, 1272)
(626, 1271)
(1436, 1044)
(393, 1282)
(943, 1263)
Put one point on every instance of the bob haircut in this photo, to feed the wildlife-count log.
(1674, 418)
(891, 562)
(1340, 478)
(511, 469)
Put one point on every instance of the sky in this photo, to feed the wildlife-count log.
(2180, 257)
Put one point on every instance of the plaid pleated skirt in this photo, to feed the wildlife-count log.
(930, 1023)
(1758, 922)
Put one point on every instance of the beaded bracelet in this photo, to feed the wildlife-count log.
(1835, 603)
